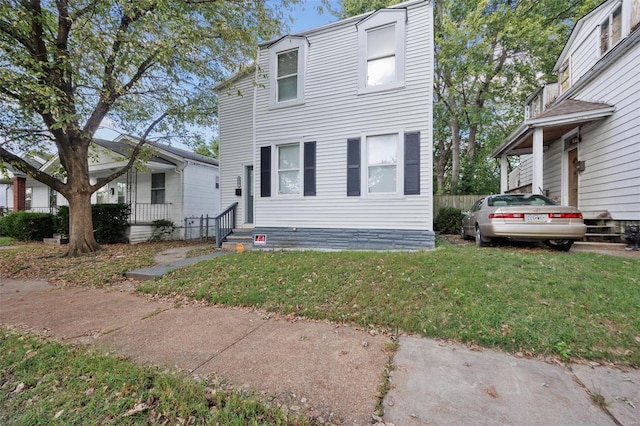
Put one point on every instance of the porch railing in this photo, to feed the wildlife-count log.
(225, 222)
(148, 212)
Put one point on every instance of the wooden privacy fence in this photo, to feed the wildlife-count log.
(462, 202)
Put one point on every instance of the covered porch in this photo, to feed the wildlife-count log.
(561, 122)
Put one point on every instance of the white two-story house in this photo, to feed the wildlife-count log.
(580, 140)
(326, 142)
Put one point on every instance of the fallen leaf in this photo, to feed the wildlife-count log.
(19, 388)
(89, 392)
(491, 391)
(138, 408)
(58, 414)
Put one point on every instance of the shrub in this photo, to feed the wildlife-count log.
(110, 222)
(448, 220)
(27, 226)
(163, 230)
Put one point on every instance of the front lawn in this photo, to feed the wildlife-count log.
(529, 300)
(46, 383)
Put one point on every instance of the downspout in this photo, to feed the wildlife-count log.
(255, 144)
(181, 213)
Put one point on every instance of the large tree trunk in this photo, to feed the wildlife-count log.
(74, 157)
(81, 238)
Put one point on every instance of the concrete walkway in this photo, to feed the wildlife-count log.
(329, 372)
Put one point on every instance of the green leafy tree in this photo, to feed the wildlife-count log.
(211, 149)
(148, 66)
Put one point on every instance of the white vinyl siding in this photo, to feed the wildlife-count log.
(334, 112)
(202, 198)
(609, 148)
(236, 143)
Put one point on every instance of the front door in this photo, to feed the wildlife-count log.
(249, 192)
(572, 178)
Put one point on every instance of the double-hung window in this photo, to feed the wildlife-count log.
(157, 188)
(385, 163)
(382, 164)
(381, 56)
(289, 169)
(294, 174)
(287, 71)
(381, 43)
(287, 76)
(611, 30)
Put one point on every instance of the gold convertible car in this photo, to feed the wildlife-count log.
(523, 217)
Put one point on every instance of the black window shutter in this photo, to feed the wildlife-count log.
(309, 168)
(412, 163)
(265, 171)
(353, 167)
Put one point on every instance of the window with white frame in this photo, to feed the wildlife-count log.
(122, 192)
(102, 194)
(288, 169)
(287, 65)
(564, 76)
(382, 164)
(287, 76)
(157, 188)
(381, 56)
(611, 30)
(28, 198)
(381, 39)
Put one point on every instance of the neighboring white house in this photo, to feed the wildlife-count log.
(582, 135)
(333, 129)
(174, 184)
(9, 177)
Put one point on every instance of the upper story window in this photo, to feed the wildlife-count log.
(287, 76)
(381, 38)
(611, 30)
(287, 60)
(635, 14)
(564, 76)
(381, 56)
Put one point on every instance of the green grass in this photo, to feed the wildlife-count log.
(6, 241)
(539, 302)
(47, 383)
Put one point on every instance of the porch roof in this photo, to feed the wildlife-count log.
(556, 121)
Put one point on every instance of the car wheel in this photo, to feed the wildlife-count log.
(481, 240)
(561, 245)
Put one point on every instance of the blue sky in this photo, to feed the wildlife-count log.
(305, 15)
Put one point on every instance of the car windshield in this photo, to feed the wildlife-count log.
(520, 200)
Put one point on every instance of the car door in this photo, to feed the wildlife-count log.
(469, 221)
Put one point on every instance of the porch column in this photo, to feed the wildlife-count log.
(504, 174)
(19, 194)
(537, 184)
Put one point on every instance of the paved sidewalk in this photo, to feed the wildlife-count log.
(316, 368)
